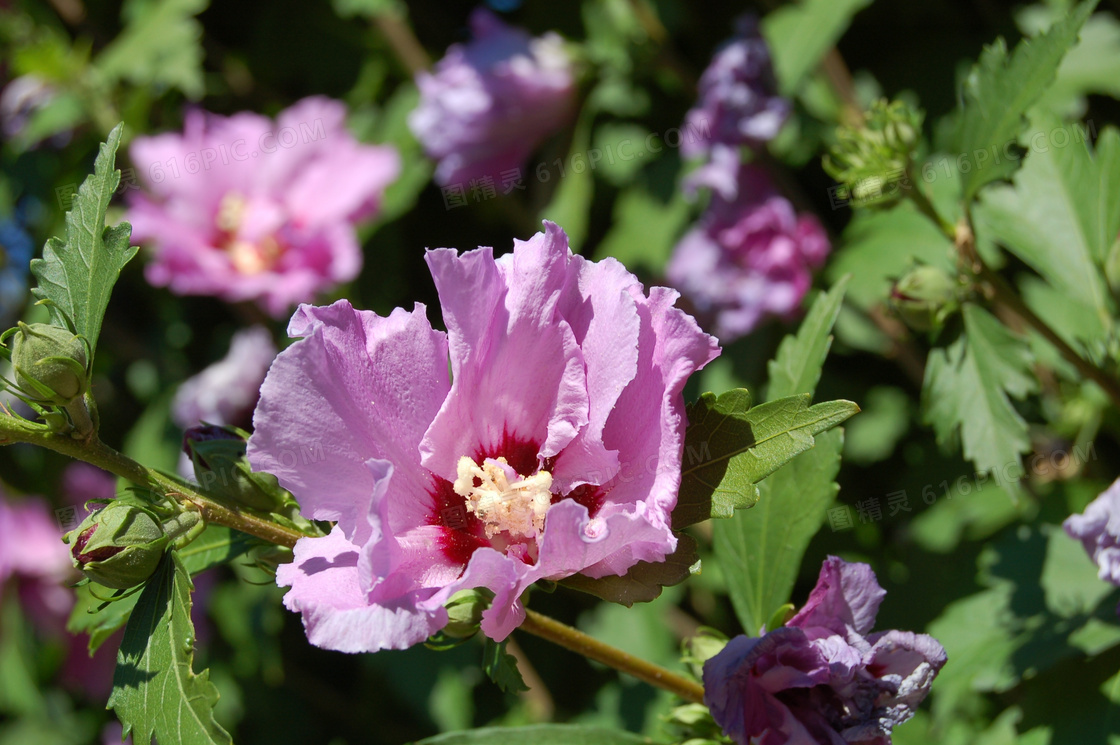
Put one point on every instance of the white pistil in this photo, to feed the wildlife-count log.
(514, 505)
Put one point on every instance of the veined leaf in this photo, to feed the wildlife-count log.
(77, 276)
(967, 387)
(1000, 89)
(760, 550)
(730, 447)
(155, 690)
(539, 734)
(1062, 214)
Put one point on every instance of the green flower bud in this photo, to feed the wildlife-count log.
(50, 363)
(464, 613)
(118, 546)
(925, 297)
(872, 159)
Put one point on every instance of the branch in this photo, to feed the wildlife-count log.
(581, 643)
(14, 429)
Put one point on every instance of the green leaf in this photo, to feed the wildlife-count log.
(501, 667)
(539, 734)
(1091, 66)
(77, 276)
(644, 229)
(570, 206)
(644, 581)
(999, 91)
(760, 551)
(730, 447)
(160, 47)
(967, 386)
(799, 35)
(879, 247)
(796, 368)
(155, 690)
(1062, 214)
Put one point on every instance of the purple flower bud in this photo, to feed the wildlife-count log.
(748, 258)
(491, 102)
(822, 678)
(736, 102)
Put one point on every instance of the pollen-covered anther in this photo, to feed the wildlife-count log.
(502, 499)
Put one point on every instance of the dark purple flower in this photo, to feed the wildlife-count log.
(489, 103)
(736, 102)
(748, 258)
(1098, 529)
(823, 679)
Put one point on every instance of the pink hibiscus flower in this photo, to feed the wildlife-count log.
(555, 447)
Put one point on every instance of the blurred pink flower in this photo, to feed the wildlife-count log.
(554, 449)
(748, 258)
(35, 561)
(491, 102)
(247, 208)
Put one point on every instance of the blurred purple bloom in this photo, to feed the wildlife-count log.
(34, 558)
(1098, 529)
(491, 102)
(227, 391)
(82, 482)
(823, 679)
(555, 447)
(247, 208)
(736, 105)
(748, 258)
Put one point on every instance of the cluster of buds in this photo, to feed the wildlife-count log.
(51, 366)
(877, 150)
(121, 544)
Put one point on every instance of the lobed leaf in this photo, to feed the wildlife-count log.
(967, 389)
(998, 92)
(155, 689)
(77, 276)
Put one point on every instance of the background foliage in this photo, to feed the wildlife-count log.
(925, 493)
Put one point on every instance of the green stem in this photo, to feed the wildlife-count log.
(581, 643)
(1003, 294)
(13, 429)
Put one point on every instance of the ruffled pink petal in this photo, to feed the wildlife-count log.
(603, 315)
(518, 372)
(337, 613)
(358, 386)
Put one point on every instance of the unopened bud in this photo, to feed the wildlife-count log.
(873, 157)
(464, 614)
(925, 297)
(220, 466)
(50, 363)
(118, 546)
